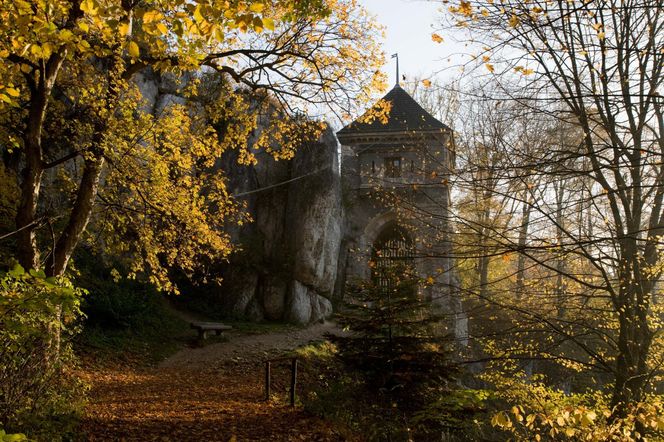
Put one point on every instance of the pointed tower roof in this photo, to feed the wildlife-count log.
(405, 115)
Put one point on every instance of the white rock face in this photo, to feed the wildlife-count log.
(149, 87)
(289, 269)
(317, 240)
(306, 305)
(296, 234)
(321, 308)
(299, 307)
(245, 294)
(314, 212)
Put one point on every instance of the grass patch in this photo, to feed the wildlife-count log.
(317, 352)
(141, 328)
(330, 392)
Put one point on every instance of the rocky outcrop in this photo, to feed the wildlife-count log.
(287, 266)
(315, 214)
(293, 245)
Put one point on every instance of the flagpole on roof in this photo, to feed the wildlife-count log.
(396, 55)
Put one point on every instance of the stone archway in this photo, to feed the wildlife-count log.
(361, 255)
(376, 226)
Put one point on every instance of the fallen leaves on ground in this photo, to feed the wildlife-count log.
(215, 404)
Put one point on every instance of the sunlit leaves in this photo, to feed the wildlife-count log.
(12, 92)
(156, 157)
(464, 8)
(133, 50)
(256, 7)
(523, 70)
(39, 30)
(380, 112)
(543, 413)
(176, 201)
(8, 94)
(268, 23)
(89, 7)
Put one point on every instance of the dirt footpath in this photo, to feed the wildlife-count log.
(249, 347)
(213, 393)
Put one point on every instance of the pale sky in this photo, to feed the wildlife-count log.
(409, 25)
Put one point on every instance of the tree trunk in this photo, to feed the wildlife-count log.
(484, 276)
(485, 220)
(560, 261)
(523, 236)
(27, 248)
(634, 340)
(79, 217)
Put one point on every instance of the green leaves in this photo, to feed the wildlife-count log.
(17, 271)
(38, 316)
(16, 437)
(37, 274)
(34, 292)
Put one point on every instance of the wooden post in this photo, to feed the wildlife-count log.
(267, 381)
(293, 383)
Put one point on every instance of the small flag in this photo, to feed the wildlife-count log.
(395, 55)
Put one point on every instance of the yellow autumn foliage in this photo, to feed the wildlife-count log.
(143, 178)
(541, 413)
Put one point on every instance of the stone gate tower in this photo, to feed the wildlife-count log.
(396, 188)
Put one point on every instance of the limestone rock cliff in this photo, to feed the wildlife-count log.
(288, 267)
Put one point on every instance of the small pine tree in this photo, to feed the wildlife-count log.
(393, 342)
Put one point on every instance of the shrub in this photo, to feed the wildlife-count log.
(126, 320)
(535, 411)
(39, 393)
(461, 414)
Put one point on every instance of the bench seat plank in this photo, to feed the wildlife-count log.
(204, 327)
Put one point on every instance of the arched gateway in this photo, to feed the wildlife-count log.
(392, 253)
(397, 196)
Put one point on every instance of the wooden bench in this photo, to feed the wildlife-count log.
(205, 327)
